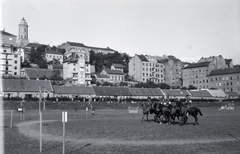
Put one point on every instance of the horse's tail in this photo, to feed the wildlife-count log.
(200, 112)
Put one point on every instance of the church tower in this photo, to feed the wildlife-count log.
(22, 33)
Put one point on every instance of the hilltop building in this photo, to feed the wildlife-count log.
(81, 46)
(146, 68)
(22, 33)
(51, 55)
(76, 66)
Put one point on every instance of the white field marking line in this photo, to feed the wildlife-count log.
(25, 130)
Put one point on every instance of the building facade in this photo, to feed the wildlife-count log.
(81, 46)
(227, 79)
(10, 62)
(146, 68)
(115, 76)
(197, 74)
(51, 55)
(22, 33)
(172, 71)
(76, 65)
(218, 61)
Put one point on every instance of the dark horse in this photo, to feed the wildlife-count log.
(184, 112)
(149, 108)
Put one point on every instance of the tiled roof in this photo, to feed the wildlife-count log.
(232, 94)
(142, 58)
(23, 85)
(196, 65)
(176, 92)
(225, 71)
(6, 33)
(82, 45)
(217, 93)
(50, 51)
(146, 92)
(118, 65)
(200, 93)
(118, 72)
(73, 90)
(101, 76)
(34, 73)
(111, 91)
(35, 45)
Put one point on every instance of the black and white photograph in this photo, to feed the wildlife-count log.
(120, 76)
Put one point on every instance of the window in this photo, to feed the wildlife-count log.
(15, 67)
(4, 50)
(15, 73)
(15, 56)
(15, 62)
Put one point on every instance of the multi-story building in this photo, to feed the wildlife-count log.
(218, 61)
(76, 65)
(197, 74)
(22, 33)
(51, 55)
(172, 71)
(10, 59)
(227, 79)
(146, 68)
(81, 46)
(117, 67)
(115, 76)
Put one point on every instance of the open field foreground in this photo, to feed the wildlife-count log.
(117, 131)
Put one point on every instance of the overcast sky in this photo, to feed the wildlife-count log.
(187, 29)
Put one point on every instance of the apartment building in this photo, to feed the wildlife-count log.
(227, 79)
(51, 54)
(146, 68)
(10, 58)
(172, 71)
(197, 74)
(76, 66)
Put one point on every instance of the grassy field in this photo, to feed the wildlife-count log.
(117, 131)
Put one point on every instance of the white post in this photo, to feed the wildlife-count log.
(11, 118)
(64, 119)
(44, 99)
(40, 99)
(40, 114)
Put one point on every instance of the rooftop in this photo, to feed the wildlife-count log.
(23, 85)
(108, 71)
(225, 71)
(196, 65)
(6, 33)
(82, 45)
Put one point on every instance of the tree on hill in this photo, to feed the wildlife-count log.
(101, 61)
(38, 57)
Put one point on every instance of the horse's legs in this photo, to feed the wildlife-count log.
(147, 116)
(196, 120)
(143, 117)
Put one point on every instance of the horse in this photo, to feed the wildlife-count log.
(174, 112)
(163, 110)
(184, 112)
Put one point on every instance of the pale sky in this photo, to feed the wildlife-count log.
(187, 29)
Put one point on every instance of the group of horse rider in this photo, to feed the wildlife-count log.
(168, 110)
